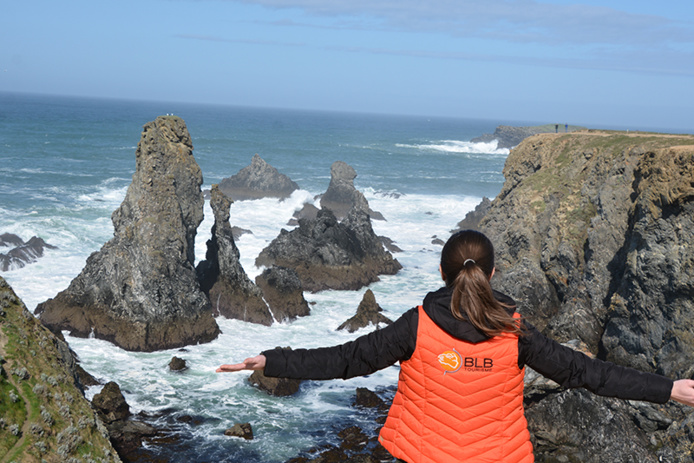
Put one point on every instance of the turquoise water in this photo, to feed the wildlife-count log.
(66, 164)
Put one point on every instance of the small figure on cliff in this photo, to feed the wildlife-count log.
(556, 128)
(463, 354)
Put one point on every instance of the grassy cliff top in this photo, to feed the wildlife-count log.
(43, 414)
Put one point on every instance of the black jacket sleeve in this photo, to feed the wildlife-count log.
(366, 354)
(572, 369)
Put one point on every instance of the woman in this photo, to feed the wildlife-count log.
(462, 354)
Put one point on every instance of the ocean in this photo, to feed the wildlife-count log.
(66, 164)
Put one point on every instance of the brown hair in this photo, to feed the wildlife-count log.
(467, 264)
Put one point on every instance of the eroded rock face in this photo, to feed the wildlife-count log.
(221, 275)
(140, 291)
(258, 180)
(592, 233)
(283, 292)
(327, 254)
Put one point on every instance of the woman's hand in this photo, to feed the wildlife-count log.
(683, 391)
(251, 363)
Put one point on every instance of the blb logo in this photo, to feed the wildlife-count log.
(451, 361)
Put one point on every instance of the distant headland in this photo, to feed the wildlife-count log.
(509, 136)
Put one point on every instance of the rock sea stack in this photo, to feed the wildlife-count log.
(341, 194)
(368, 313)
(258, 180)
(327, 254)
(222, 278)
(140, 291)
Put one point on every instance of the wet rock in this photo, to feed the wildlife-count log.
(368, 313)
(243, 430)
(140, 291)
(283, 293)
(278, 387)
(21, 253)
(258, 180)
(177, 364)
(221, 275)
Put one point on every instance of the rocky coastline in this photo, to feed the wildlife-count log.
(592, 232)
(508, 136)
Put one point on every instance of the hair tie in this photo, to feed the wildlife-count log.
(468, 260)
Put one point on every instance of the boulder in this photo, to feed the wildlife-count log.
(368, 313)
(177, 364)
(283, 293)
(327, 254)
(222, 278)
(258, 180)
(111, 404)
(140, 291)
(243, 430)
(278, 387)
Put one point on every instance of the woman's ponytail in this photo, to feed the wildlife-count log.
(467, 263)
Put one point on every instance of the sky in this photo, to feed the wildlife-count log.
(612, 63)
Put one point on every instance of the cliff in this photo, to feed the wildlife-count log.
(140, 291)
(592, 233)
(44, 415)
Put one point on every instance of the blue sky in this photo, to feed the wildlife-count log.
(599, 63)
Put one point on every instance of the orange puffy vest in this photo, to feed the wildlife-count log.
(458, 402)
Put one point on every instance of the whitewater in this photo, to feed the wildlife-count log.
(67, 164)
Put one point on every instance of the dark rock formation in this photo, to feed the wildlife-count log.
(592, 233)
(509, 136)
(278, 387)
(140, 291)
(42, 399)
(283, 292)
(177, 364)
(127, 435)
(243, 430)
(368, 313)
(328, 254)
(258, 180)
(308, 211)
(222, 278)
(111, 404)
(21, 253)
(341, 194)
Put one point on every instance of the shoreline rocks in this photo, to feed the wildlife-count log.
(368, 313)
(141, 291)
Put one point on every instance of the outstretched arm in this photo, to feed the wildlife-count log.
(683, 391)
(251, 363)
